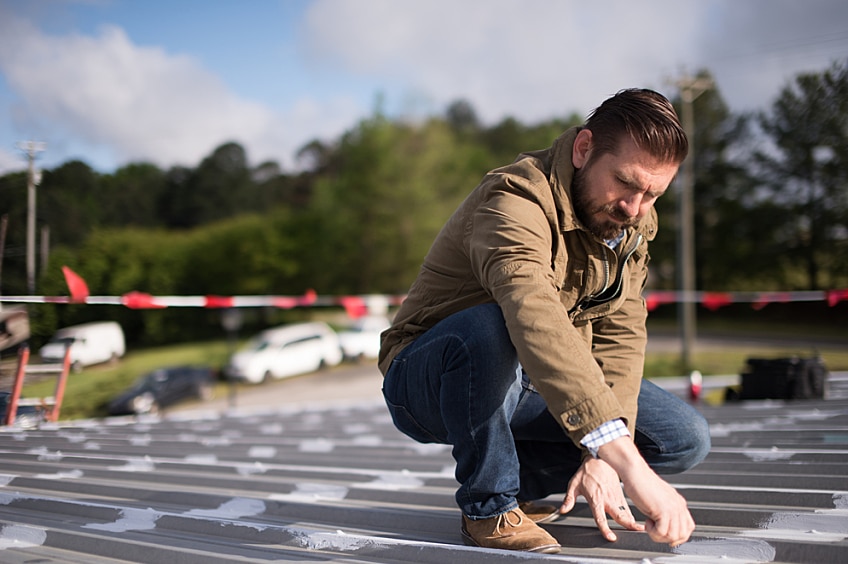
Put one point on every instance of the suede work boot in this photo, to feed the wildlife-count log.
(539, 512)
(512, 530)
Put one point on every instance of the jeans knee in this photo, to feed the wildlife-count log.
(693, 447)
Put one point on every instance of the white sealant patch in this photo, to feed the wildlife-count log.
(334, 541)
(140, 440)
(823, 525)
(21, 536)
(262, 452)
(368, 440)
(727, 429)
(136, 465)
(216, 441)
(403, 480)
(204, 459)
(131, 520)
(316, 445)
(70, 474)
(313, 492)
(232, 509)
(312, 419)
(357, 429)
(271, 429)
(56, 456)
(251, 469)
(91, 446)
(727, 551)
(773, 453)
(6, 478)
(815, 414)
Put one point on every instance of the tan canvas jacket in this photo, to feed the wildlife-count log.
(572, 305)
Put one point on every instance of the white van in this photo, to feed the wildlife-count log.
(91, 343)
(285, 351)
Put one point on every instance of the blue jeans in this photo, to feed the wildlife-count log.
(460, 384)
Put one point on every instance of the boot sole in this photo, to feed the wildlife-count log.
(544, 549)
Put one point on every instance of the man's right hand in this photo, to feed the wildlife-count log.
(667, 517)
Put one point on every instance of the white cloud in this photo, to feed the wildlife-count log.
(10, 162)
(140, 102)
(533, 59)
(106, 99)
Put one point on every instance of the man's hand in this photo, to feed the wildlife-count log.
(668, 517)
(599, 484)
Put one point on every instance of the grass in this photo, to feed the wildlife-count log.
(87, 393)
(732, 360)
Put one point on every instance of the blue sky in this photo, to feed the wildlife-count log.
(117, 81)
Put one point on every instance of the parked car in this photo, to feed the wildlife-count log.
(285, 351)
(362, 340)
(91, 343)
(164, 387)
(27, 416)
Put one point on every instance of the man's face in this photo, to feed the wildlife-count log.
(615, 190)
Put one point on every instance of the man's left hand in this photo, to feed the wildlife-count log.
(599, 484)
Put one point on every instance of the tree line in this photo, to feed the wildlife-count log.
(361, 211)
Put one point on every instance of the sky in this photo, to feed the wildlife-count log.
(113, 82)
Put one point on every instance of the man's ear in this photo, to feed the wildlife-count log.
(581, 149)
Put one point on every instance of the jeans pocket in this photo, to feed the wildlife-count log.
(406, 424)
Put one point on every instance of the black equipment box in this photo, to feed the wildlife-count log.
(784, 378)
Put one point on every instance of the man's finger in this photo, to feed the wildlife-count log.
(570, 497)
(624, 517)
(601, 521)
(672, 538)
(567, 503)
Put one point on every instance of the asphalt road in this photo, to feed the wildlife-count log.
(361, 383)
(343, 385)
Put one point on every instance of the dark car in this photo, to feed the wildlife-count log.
(27, 416)
(164, 387)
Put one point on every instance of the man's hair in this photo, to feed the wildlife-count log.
(647, 117)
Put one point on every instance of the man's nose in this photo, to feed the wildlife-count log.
(630, 204)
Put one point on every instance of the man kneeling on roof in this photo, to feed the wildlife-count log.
(521, 342)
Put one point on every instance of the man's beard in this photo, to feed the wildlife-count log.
(593, 217)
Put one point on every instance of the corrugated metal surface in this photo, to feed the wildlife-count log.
(340, 484)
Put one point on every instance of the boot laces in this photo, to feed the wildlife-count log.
(504, 521)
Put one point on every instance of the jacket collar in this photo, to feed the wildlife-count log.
(561, 175)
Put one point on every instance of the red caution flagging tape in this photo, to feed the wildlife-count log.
(357, 306)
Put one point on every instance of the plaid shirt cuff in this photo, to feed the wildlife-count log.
(604, 434)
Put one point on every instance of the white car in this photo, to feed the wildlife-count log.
(285, 351)
(362, 340)
(90, 343)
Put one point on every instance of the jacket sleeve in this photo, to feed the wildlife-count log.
(619, 339)
(509, 242)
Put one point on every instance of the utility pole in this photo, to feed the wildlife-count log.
(31, 148)
(690, 89)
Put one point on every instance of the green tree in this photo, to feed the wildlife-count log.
(13, 206)
(129, 196)
(70, 202)
(805, 172)
(220, 187)
(381, 198)
(725, 253)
